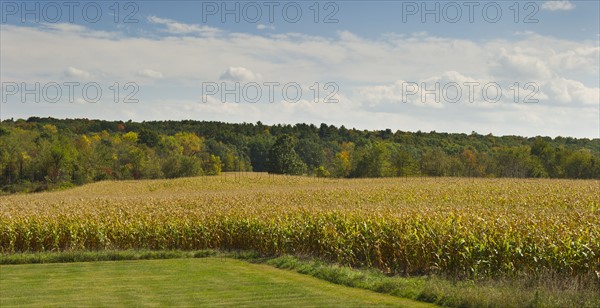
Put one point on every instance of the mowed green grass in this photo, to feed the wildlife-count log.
(177, 282)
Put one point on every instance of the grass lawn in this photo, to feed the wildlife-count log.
(177, 282)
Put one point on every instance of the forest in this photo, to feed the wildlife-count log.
(39, 154)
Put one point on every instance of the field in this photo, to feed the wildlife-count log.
(181, 282)
(449, 227)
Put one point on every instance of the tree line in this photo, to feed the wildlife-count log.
(42, 153)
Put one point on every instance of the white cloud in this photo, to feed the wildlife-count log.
(265, 27)
(562, 5)
(175, 27)
(455, 88)
(77, 73)
(581, 59)
(79, 30)
(523, 65)
(150, 74)
(571, 91)
(239, 73)
(369, 73)
(436, 91)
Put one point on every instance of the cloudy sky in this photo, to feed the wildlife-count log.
(491, 67)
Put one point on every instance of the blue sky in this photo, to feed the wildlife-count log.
(372, 18)
(381, 63)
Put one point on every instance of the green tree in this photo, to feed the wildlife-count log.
(374, 162)
(213, 165)
(321, 172)
(404, 162)
(149, 138)
(283, 159)
(258, 151)
(341, 162)
(435, 162)
(310, 152)
(581, 164)
(543, 151)
(56, 158)
(191, 144)
(517, 162)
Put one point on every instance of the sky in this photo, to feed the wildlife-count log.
(499, 67)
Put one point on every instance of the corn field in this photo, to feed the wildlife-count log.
(411, 226)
